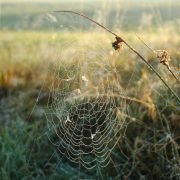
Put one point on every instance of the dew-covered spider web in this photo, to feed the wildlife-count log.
(87, 109)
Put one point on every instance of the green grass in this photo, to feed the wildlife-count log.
(27, 62)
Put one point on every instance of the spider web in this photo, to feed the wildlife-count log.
(86, 115)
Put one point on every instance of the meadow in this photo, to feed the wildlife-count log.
(43, 67)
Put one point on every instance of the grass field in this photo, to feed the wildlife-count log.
(38, 67)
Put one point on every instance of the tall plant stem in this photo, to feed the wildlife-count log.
(127, 44)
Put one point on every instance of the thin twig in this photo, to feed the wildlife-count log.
(122, 40)
(150, 48)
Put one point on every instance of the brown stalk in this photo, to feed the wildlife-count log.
(120, 40)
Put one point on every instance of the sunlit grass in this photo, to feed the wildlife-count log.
(27, 63)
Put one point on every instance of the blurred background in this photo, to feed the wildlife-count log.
(130, 14)
(31, 38)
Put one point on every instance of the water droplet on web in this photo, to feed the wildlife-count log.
(85, 80)
(69, 79)
(37, 100)
(68, 119)
(133, 119)
(92, 136)
(77, 92)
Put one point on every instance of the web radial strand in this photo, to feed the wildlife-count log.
(82, 110)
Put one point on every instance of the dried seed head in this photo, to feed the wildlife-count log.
(164, 57)
(117, 45)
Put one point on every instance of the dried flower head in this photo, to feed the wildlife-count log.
(117, 45)
(164, 57)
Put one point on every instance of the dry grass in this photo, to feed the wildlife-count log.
(150, 147)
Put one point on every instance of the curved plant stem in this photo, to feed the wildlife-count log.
(127, 44)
